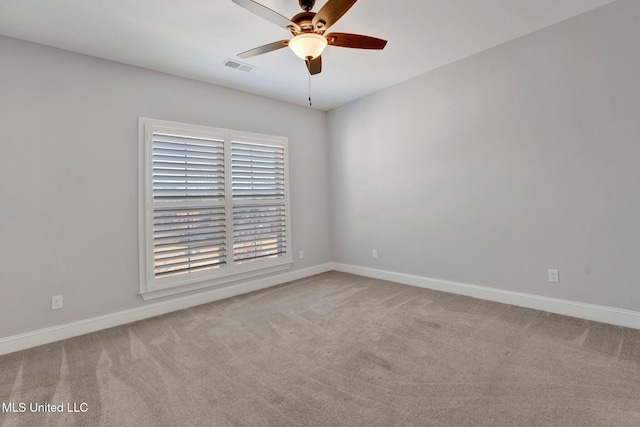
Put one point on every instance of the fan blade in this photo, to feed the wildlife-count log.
(264, 49)
(331, 12)
(355, 41)
(268, 14)
(314, 65)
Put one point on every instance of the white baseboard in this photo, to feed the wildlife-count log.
(614, 316)
(598, 313)
(69, 330)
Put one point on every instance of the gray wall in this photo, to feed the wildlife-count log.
(68, 176)
(493, 169)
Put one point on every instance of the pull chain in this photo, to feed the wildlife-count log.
(310, 104)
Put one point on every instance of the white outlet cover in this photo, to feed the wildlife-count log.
(56, 302)
(554, 277)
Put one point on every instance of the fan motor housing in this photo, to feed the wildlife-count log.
(304, 20)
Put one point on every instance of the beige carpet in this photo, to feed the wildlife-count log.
(335, 350)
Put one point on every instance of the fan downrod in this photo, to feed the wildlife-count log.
(306, 5)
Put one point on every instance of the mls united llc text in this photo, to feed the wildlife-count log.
(21, 407)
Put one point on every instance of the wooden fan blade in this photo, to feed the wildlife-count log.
(264, 49)
(314, 65)
(268, 14)
(355, 41)
(331, 12)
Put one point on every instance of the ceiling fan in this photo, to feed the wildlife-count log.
(308, 30)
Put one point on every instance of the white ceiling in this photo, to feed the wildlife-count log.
(193, 38)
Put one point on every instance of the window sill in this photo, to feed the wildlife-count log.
(179, 289)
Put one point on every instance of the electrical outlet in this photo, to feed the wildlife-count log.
(56, 302)
(554, 276)
(374, 253)
(301, 254)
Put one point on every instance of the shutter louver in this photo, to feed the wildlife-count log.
(257, 171)
(187, 169)
(258, 190)
(258, 232)
(188, 204)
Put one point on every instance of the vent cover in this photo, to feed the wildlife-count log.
(238, 65)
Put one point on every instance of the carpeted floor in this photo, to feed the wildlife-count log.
(334, 350)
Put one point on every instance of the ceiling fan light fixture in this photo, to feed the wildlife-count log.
(308, 45)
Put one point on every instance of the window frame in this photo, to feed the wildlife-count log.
(151, 287)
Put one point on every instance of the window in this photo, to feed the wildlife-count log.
(214, 206)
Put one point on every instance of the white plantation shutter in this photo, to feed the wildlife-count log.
(259, 211)
(188, 204)
(188, 240)
(215, 206)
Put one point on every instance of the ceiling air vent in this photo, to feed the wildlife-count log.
(238, 65)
